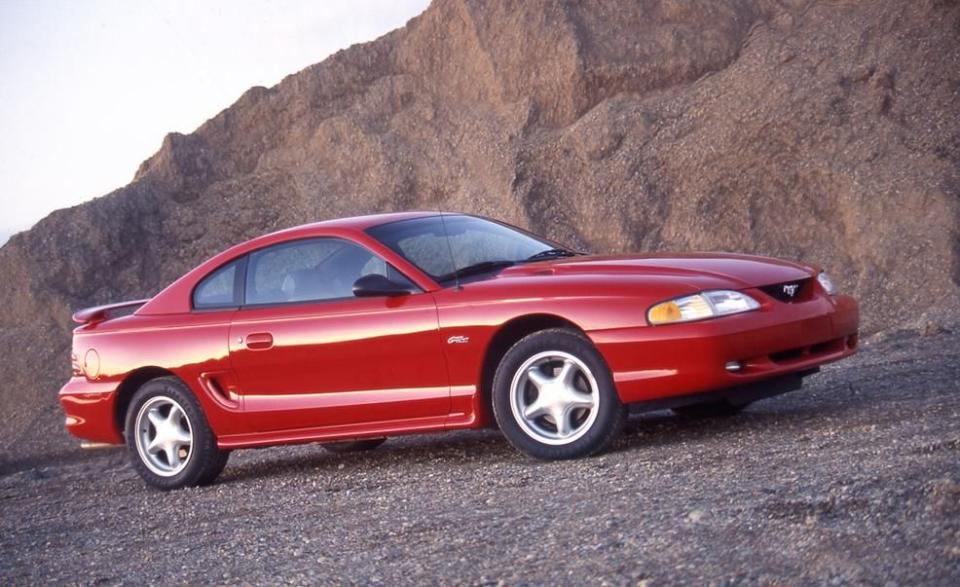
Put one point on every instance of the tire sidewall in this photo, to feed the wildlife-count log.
(610, 413)
(204, 453)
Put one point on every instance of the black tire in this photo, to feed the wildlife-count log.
(203, 460)
(522, 432)
(215, 469)
(353, 445)
(716, 409)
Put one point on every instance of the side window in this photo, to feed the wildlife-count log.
(219, 289)
(310, 270)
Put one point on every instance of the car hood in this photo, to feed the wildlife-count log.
(722, 269)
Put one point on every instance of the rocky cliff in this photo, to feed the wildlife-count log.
(823, 131)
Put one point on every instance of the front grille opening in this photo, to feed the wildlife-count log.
(822, 348)
(790, 291)
(787, 356)
(832, 346)
(819, 348)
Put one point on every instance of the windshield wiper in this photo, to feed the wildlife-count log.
(551, 254)
(481, 267)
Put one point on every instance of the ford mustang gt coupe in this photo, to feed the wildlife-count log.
(349, 331)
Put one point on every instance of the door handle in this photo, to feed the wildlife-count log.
(259, 341)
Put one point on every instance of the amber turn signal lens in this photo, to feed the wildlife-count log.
(665, 313)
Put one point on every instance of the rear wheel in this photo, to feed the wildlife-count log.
(170, 442)
(353, 445)
(717, 409)
(554, 397)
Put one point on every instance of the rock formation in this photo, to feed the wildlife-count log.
(814, 130)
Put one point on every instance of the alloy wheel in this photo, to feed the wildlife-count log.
(554, 397)
(164, 436)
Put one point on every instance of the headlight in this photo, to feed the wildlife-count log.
(827, 284)
(708, 304)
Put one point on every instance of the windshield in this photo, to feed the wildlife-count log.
(476, 245)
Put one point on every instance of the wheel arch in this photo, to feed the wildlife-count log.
(508, 334)
(131, 383)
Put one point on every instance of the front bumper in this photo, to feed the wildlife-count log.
(656, 362)
(89, 409)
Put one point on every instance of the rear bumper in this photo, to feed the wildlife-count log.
(656, 362)
(89, 409)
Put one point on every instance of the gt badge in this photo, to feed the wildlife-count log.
(458, 340)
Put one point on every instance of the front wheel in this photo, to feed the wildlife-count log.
(170, 442)
(554, 397)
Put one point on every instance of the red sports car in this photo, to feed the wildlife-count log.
(349, 331)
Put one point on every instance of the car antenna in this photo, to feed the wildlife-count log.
(453, 262)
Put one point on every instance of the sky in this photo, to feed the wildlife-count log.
(88, 89)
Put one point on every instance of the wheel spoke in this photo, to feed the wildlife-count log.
(562, 419)
(568, 373)
(173, 417)
(155, 446)
(534, 410)
(577, 399)
(173, 455)
(155, 418)
(173, 459)
(537, 378)
(182, 437)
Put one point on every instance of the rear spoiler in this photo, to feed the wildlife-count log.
(105, 312)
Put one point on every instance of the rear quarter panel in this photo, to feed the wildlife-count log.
(191, 346)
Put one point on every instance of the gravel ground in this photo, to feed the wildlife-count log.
(855, 479)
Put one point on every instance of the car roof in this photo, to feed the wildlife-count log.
(338, 225)
(364, 222)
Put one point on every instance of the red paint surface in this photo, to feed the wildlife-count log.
(383, 366)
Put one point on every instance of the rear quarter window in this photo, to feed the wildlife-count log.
(219, 289)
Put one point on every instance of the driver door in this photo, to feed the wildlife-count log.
(309, 354)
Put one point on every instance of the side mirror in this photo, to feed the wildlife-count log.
(374, 285)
